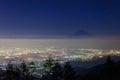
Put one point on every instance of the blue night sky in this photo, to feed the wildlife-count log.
(59, 17)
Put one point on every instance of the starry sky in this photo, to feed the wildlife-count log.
(59, 17)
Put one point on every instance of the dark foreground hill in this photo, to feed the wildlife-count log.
(108, 71)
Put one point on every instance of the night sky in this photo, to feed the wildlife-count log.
(59, 17)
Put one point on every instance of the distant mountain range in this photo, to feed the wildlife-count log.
(81, 33)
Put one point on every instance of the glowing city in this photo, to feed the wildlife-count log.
(17, 55)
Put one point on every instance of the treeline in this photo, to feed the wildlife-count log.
(54, 70)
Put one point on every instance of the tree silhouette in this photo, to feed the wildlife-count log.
(109, 61)
(25, 71)
(49, 63)
(32, 67)
(12, 72)
(1, 73)
(69, 73)
(9, 72)
(57, 70)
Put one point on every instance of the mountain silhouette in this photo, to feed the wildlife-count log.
(81, 33)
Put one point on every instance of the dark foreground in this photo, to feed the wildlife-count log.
(54, 70)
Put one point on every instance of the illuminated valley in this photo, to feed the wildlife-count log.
(17, 55)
